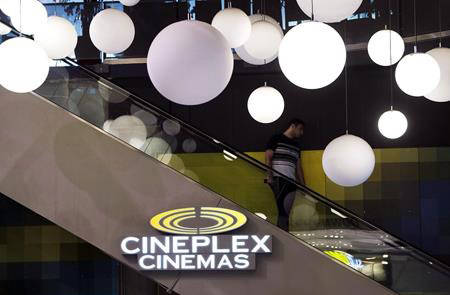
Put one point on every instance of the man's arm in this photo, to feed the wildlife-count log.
(300, 175)
(269, 157)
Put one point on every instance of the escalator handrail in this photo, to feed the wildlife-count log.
(419, 254)
(258, 164)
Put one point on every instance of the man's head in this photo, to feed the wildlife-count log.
(296, 128)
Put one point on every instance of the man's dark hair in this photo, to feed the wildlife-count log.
(296, 122)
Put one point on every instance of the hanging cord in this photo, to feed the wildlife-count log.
(346, 99)
(440, 22)
(346, 81)
(312, 10)
(20, 16)
(261, 7)
(390, 58)
(265, 10)
(399, 18)
(415, 25)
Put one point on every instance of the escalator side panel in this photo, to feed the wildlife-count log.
(291, 271)
(86, 182)
(102, 190)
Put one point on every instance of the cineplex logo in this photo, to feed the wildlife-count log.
(193, 243)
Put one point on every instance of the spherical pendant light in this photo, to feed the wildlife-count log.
(330, 11)
(4, 29)
(24, 65)
(150, 120)
(442, 92)
(348, 160)
(158, 148)
(129, 2)
(189, 145)
(176, 163)
(171, 127)
(265, 104)
(417, 74)
(107, 126)
(312, 55)
(111, 95)
(8, 6)
(384, 43)
(392, 124)
(129, 129)
(27, 16)
(58, 37)
(264, 41)
(111, 31)
(234, 24)
(190, 62)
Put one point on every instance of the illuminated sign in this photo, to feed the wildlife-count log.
(194, 244)
(346, 258)
(225, 220)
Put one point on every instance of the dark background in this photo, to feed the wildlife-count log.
(226, 117)
(416, 216)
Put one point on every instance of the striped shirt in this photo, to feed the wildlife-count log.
(286, 153)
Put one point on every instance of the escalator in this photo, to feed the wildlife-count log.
(74, 153)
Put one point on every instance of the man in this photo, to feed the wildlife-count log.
(283, 155)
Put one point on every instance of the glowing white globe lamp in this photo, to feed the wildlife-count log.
(264, 40)
(312, 55)
(348, 160)
(417, 74)
(129, 2)
(386, 47)
(171, 127)
(27, 16)
(4, 29)
(234, 24)
(392, 124)
(111, 95)
(7, 6)
(111, 31)
(24, 65)
(442, 92)
(158, 148)
(262, 45)
(57, 36)
(329, 11)
(189, 145)
(265, 104)
(129, 129)
(150, 120)
(176, 163)
(107, 126)
(190, 62)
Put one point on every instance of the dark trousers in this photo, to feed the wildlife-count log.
(284, 192)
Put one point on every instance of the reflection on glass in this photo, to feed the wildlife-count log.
(325, 226)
